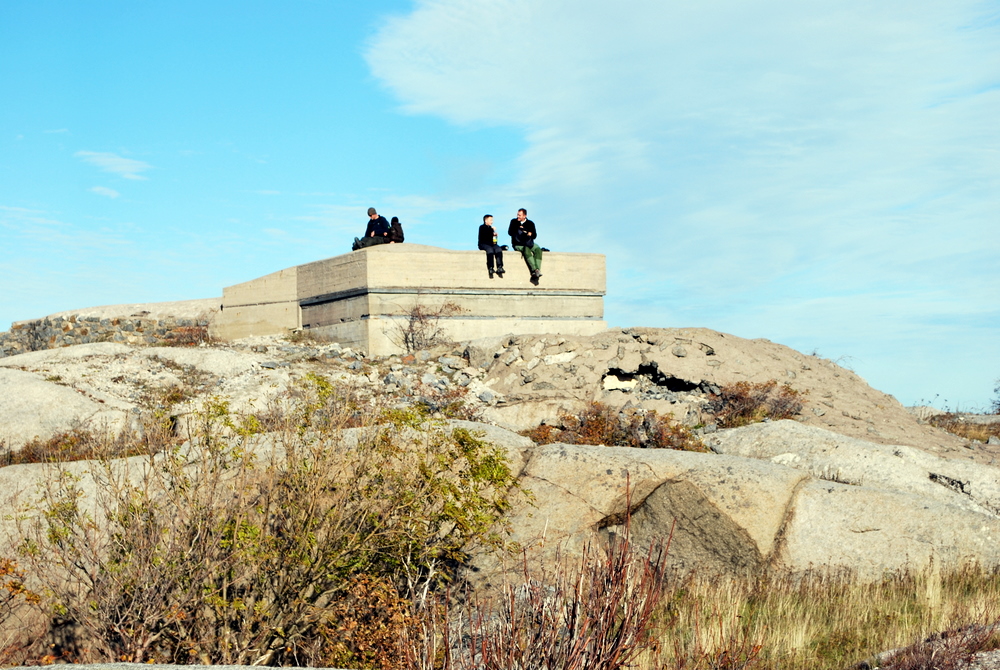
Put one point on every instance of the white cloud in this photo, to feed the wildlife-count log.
(56, 131)
(745, 158)
(127, 168)
(106, 192)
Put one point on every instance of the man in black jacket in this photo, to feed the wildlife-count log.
(377, 231)
(488, 243)
(522, 238)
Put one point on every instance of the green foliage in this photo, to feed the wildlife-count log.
(248, 547)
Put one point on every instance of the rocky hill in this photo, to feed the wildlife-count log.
(516, 382)
(792, 494)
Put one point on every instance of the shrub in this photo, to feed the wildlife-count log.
(421, 327)
(155, 434)
(743, 403)
(628, 427)
(598, 616)
(13, 595)
(243, 548)
(950, 650)
(187, 336)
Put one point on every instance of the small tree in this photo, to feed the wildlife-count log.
(421, 327)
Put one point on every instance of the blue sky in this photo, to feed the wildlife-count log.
(824, 175)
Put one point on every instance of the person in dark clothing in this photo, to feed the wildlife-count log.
(488, 243)
(522, 237)
(377, 231)
(396, 231)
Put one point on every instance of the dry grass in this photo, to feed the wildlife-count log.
(820, 622)
(957, 425)
(601, 424)
(743, 403)
(188, 336)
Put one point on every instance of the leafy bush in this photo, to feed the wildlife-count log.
(13, 595)
(743, 403)
(629, 427)
(251, 548)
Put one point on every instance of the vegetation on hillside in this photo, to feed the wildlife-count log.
(742, 403)
(737, 404)
(600, 424)
(330, 529)
(309, 543)
(956, 424)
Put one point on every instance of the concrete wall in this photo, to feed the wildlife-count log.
(261, 306)
(361, 298)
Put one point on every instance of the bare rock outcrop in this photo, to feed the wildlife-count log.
(735, 514)
(672, 371)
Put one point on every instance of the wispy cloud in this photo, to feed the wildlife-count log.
(105, 191)
(748, 160)
(56, 131)
(127, 168)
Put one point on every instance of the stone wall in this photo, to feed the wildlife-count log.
(66, 330)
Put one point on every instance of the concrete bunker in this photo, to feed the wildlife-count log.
(359, 298)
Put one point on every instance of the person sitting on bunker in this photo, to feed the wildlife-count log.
(488, 243)
(377, 231)
(522, 237)
(396, 231)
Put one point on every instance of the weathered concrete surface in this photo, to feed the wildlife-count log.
(361, 299)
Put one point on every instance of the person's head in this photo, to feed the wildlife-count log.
(522, 214)
(372, 214)
(488, 219)
(395, 219)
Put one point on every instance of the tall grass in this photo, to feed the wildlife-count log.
(957, 425)
(819, 621)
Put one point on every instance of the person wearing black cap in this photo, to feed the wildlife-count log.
(376, 233)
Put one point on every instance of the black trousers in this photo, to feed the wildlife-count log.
(491, 251)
